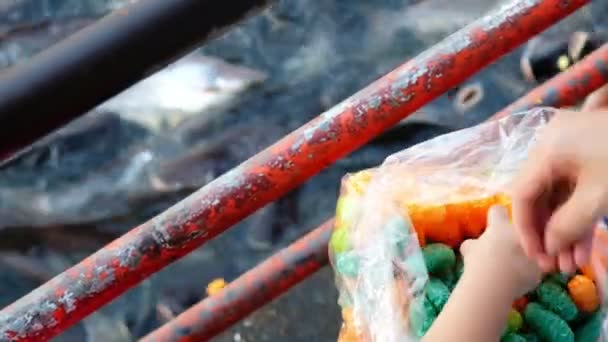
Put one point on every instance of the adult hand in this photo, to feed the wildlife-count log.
(597, 100)
(562, 189)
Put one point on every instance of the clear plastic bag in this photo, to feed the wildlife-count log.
(438, 191)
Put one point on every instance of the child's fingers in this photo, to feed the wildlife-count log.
(530, 185)
(465, 247)
(575, 218)
(566, 261)
(497, 216)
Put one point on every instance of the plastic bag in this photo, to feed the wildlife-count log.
(438, 191)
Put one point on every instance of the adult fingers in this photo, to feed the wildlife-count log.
(596, 100)
(582, 250)
(574, 220)
(530, 185)
(566, 261)
(546, 263)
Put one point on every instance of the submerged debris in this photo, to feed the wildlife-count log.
(191, 87)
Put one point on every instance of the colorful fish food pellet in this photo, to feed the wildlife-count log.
(399, 235)
(548, 325)
(514, 321)
(339, 241)
(347, 210)
(561, 309)
(347, 264)
(423, 243)
(520, 303)
(584, 293)
(591, 329)
(513, 337)
(453, 222)
(437, 293)
(439, 258)
(422, 314)
(556, 299)
(460, 217)
(216, 286)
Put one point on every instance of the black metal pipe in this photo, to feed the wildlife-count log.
(80, 72)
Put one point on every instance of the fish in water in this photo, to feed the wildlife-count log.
(195, 85)
(21, 41)
(109, 152)
(103, 167)
(221, 152)
(429, 20)
(29, 26)
(191, 87)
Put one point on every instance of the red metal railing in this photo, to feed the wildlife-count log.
(568, 88)
(77, 292)
(295, 263)
(38, 96)
(258, 286)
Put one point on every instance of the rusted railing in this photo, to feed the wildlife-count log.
(258, 286)
(72, 295)
(295, 263)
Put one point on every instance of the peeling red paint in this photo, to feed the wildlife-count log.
(233, 196)
(567, 88)
(572, 86)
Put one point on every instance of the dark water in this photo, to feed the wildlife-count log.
(316, 53)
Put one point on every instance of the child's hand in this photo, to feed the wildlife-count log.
(496, 272)
(498, 258)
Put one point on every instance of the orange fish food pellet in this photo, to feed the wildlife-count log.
(584, 293)
(454, 222)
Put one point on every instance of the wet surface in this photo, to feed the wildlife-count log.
(315, 53)
(283, 319)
